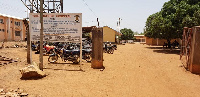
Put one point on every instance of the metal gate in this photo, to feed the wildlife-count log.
(186, 47)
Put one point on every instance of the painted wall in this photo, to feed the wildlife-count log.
(159, 42)
(149, 41)
(10, 27)
(108, 34)
(2, 27)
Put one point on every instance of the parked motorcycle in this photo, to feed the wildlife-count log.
(33, 47)
(48, 49)
(65, 55)
(87, 54)
(115, 46)
(110, 50)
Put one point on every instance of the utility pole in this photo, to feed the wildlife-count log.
(29, 59)
(41, 35)
(118, 27)
(98, 22)
(119, 24)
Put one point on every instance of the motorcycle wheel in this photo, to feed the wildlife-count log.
(51, 51)
(104, 50)
(111, 51)
(33, 49)
(76, 60)
(53, 59)
(89, 59)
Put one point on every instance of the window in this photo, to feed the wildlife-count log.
(2, 30)
(17, 33)
(17, 23)
(1, 21)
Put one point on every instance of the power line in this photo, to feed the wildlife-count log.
(92, 11)
(89, 8)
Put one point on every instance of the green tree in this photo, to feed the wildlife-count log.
(128, 34)
(173, 17)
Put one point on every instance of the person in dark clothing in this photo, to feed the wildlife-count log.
(175, 44)
(165, 45)
(169, 44)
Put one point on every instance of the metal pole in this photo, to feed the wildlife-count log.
(54, 9)
(41, 35)
(61, 2)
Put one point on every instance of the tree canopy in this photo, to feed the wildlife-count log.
(173, 17)
(127, 34)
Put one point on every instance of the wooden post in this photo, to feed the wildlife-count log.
(28, 47)
(41, 35)
(29, 59)
(97, 48)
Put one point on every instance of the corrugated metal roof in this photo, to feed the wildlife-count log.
(11, 16)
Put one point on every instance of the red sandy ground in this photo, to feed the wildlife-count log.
(134, 70)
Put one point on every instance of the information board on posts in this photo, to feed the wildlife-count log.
(58, 27)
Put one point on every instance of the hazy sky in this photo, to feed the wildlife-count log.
(132, 12)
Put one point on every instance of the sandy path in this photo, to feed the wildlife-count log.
(133, 70)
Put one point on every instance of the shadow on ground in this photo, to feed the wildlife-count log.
(64, 69)
(64, 63)
(164, 50)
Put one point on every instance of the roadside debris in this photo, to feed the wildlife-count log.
(13, 93)
(5, 60)
(32, 72)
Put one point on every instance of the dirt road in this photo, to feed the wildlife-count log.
(134, 70)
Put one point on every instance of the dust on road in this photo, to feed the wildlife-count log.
(133, 70)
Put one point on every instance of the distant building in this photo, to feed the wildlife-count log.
(11, 28)
(109, 34)
(140, 38)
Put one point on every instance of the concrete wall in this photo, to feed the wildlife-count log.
(2, 26)
(148, 41)
(159, 42)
